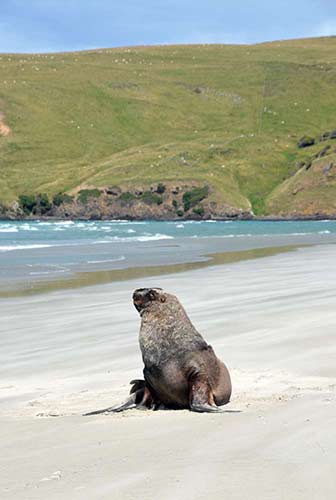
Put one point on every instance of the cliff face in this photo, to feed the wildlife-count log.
(105, 208)
(308, 193)
(157, 202)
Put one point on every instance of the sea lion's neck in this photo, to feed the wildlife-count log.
(164, 332)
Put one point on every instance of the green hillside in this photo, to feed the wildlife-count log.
(226, 117)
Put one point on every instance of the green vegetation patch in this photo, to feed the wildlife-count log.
(127, 197)
(151, 198)
(35, 204)
(199, 211)
(27, 203)
(60, 198)
(194, 196)
(258, 204)
(85, 194)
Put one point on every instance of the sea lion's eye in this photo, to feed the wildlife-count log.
(163, 299)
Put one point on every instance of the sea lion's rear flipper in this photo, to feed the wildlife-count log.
(201, 398)
(127, 405)
(140, 397)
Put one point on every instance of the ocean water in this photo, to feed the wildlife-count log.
(39, 250)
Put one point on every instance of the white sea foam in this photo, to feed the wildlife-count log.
(258, 235)
(193, 222)
(122, 257)
(218, 221)
(301, 234)
(64, 223)
(8, 229)
(131, 239)
(27, 227)
(153, 237)
(127, 222)
(9, 248)
(247, 235)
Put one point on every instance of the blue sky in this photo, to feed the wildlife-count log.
(57, 25)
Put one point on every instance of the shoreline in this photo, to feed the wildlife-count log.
(41, 256)
(92, 278)
(265, 218)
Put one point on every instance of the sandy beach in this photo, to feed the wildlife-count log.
(271, 320)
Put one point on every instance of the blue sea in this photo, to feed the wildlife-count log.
(40, 250)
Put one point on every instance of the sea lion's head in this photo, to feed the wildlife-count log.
(145, 298)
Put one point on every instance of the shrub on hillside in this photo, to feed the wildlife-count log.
(43, 203)
(306, 141)
(161, 188)
(34, 204)
(151, 198)
(194, 196)
(199, 211)
(127, 197)
(60, 198)
(27, 202)
(85, 194)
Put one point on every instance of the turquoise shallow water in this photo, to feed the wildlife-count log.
(25, 235)
(42, 250)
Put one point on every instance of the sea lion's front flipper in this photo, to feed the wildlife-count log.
(206, 408)
(201, 398)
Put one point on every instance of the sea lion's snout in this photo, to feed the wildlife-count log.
(144, 296)
(140, 297)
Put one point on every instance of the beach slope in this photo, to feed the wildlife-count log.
(271, 320)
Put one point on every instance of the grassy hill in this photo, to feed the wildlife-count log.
(228, 117)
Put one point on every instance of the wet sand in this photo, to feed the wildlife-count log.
(272, 320)
(77, 263)
(90, 278)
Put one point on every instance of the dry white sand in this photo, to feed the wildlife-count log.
(273, 321)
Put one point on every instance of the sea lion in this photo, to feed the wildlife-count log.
(181, 369)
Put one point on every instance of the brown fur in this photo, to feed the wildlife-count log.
(181, 370)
